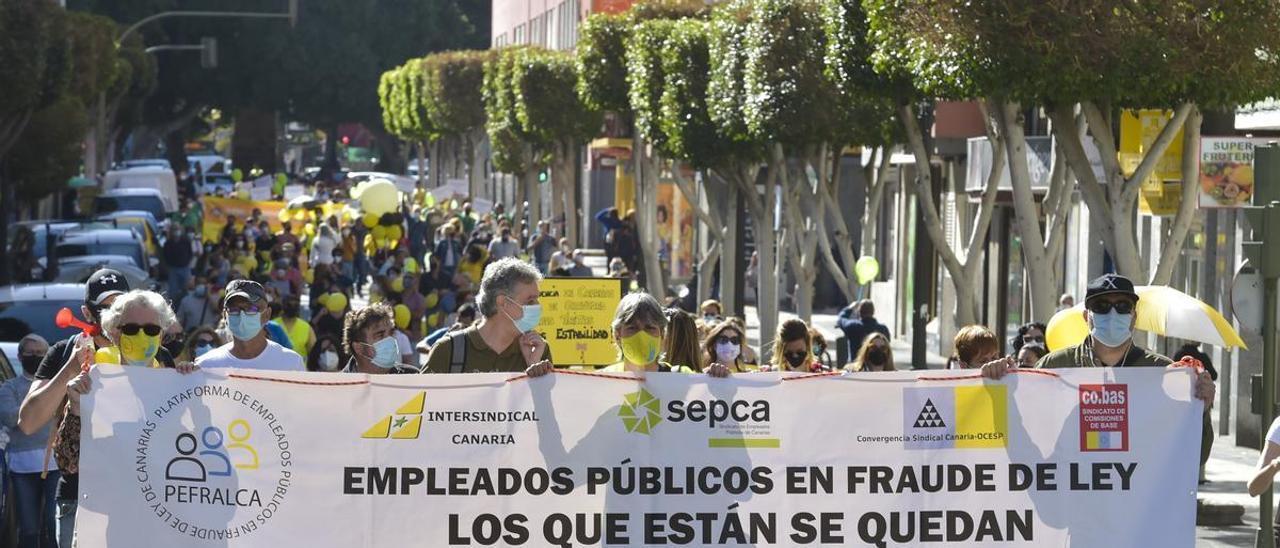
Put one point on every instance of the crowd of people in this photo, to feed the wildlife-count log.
(458, 293)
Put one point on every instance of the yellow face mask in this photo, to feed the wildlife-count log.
(641, 348)
(139, 349)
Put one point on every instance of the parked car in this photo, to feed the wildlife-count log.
(158, 179)
(31, 308)
(132, 199)
(142, 222)
(217, 184)
(144, 162)
(78, 269)
(123, 242)
(42, 233)
(208, 163)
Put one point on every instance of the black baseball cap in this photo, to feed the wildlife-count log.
(248, 289)
(1109, 284)
(104, 284)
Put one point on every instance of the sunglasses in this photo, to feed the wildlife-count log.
(730, 340)
(205, 341)
(1105, 307)
(132, 329)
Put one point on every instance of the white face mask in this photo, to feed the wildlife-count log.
(329, 360)
(727, 352)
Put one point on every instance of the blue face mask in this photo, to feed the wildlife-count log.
(532, 314)
(386, 353)
(202, 349)
(200, 291)
(1111, 329)
(244, 326)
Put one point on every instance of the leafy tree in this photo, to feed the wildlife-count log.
(512, 147)
(48, 153)
(556, 121)
(454, 101)
(1152, 54)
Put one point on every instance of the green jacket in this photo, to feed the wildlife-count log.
(1082, 356)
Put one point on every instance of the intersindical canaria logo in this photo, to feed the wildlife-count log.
(404, 424)
(640, 412)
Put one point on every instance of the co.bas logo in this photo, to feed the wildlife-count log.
(641, 412)
(213, 475)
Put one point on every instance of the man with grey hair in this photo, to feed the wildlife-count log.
(505, 339)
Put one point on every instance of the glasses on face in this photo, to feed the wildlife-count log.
(237, 310)
(132, 329)
(729, 340)
(1105, 307)
(204, 341)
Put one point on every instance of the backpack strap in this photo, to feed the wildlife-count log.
(458, 352)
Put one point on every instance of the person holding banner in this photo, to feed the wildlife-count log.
(244, 308)
(725, 344)
(638, 328)
(505, 340)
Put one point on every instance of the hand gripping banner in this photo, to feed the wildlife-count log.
(1082, 458)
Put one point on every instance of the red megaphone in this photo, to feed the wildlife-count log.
(66, 318)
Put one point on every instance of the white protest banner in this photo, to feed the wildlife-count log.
(293, 191)
(452, 188)
(1083, 458)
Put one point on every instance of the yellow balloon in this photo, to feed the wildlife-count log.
(433, 299)
(322, 299)
(370, 220)
(395, 232)
(402, 316)
(379, 232)
(308, 276)
(411, 265)
(379, 196)
(433, 320)
(284, 214)
(867, 268)
(1067, 328)
(397, 285)
(309, 229)
(336, 303)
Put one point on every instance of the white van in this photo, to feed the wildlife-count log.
(156, 178)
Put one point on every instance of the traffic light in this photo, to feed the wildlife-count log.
(208, 52)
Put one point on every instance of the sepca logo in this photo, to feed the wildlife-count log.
(640, 412)
(715, 412)
(404, 424)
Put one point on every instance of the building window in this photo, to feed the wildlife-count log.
(518, 37)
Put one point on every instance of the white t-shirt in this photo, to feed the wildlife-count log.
(273, 358)
(402, 340)
(1273, 433)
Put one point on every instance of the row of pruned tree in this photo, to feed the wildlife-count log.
(759, 99)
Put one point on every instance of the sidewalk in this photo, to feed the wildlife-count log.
(1229, 470)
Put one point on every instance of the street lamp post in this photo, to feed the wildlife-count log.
(100, 123)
